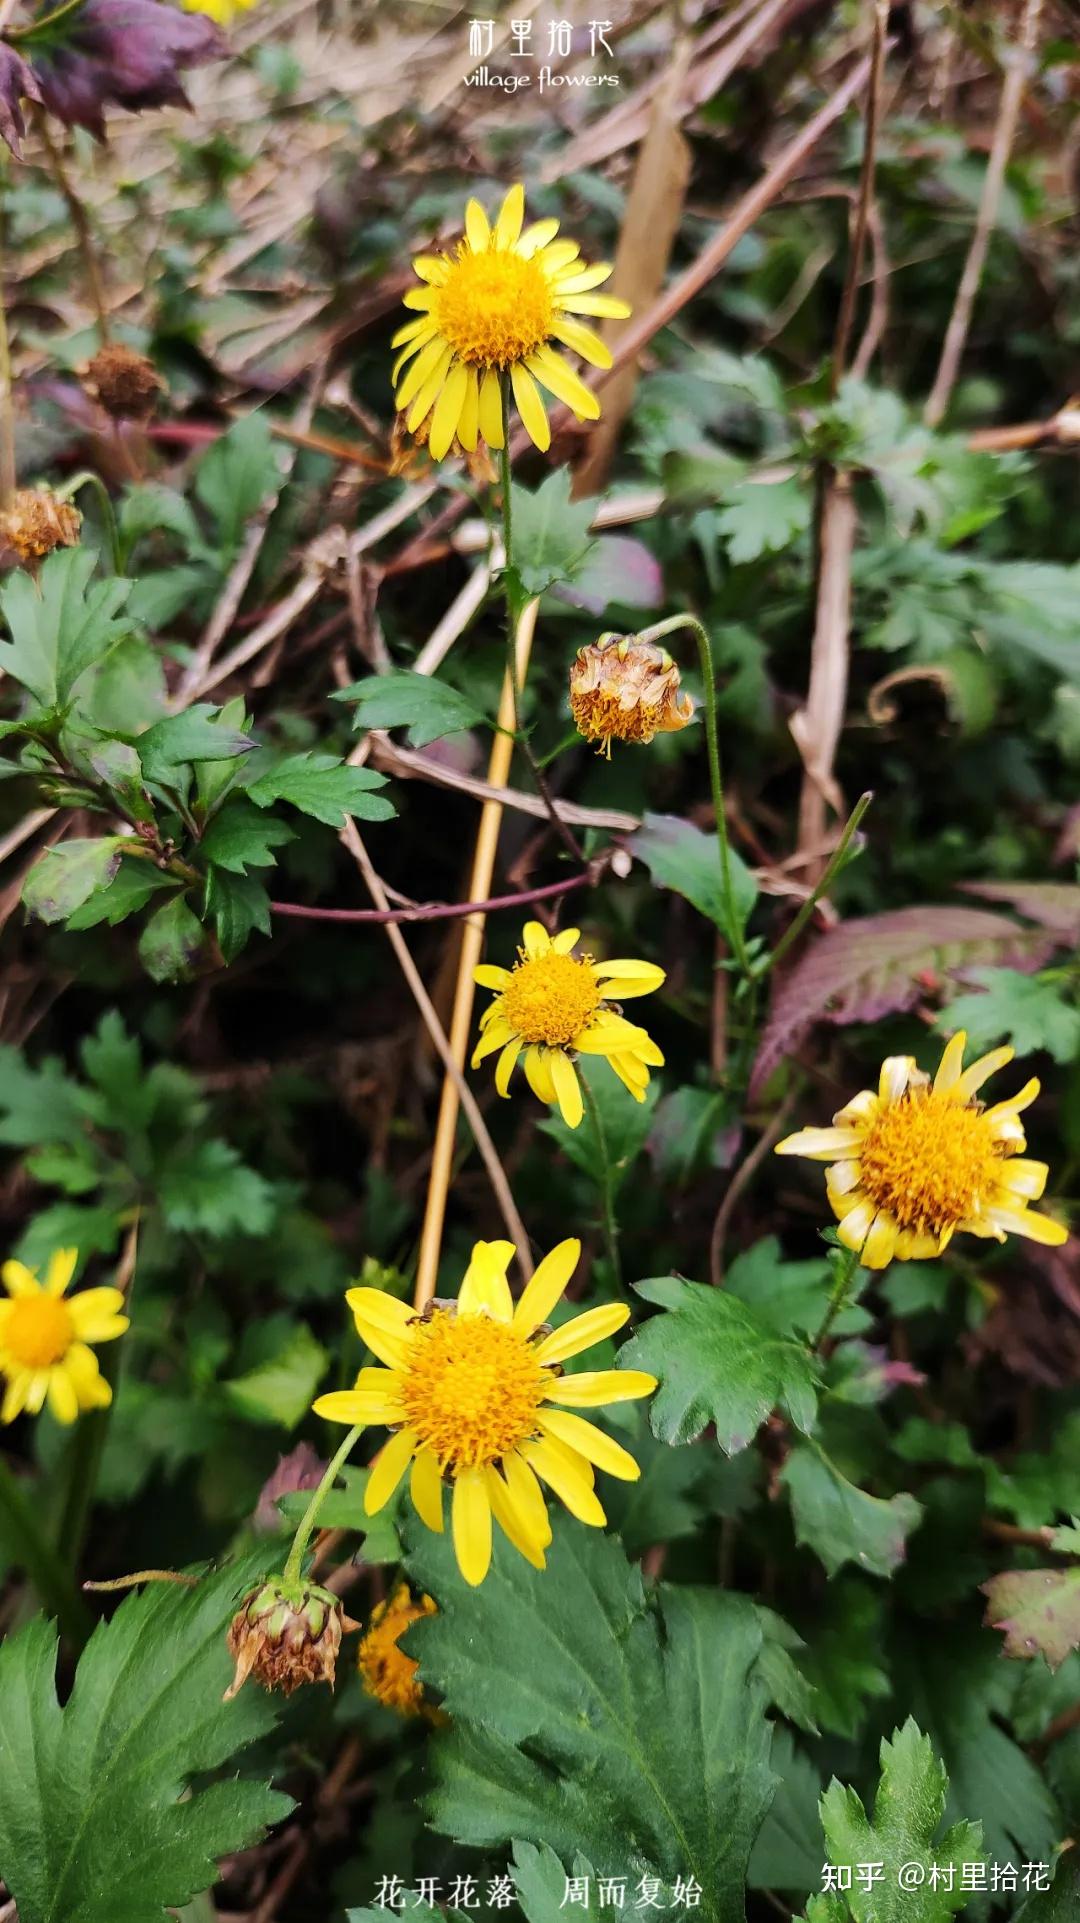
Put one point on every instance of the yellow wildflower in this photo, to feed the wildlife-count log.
(624, 689)
(386, 1672)
(920, 1160)
(223, 11)
(44, 1340)
(468, 1388)
(488, 312)
(554, 1005)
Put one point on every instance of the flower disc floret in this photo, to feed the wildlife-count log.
(472, 1389)
(916, 1162)
(493, 308)
(551, 997)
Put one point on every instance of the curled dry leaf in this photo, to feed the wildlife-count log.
(17, 83)
(127, 53)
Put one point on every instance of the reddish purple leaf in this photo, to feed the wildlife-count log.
(124, 52)
(17, 83)
(1039, 1610)
(1053, 904)
(880, 964)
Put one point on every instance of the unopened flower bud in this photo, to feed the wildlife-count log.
(625, 689)
(286, 1634)
(35, 523)
(125, 382)
(386, 1672)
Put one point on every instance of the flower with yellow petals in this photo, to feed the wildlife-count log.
(625, 689)
(45, 1337)
(555, 1005)
(476, 1396)
(386, 1672)
(489, 312)
(920, 1160)
(223, 11)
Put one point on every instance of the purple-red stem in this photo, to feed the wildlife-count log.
(433, 910)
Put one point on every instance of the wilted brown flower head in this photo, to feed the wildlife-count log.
(286, 1634)
(386, 1672)
(125, 382)
(624, 689)
(406, 458)
(36, 522)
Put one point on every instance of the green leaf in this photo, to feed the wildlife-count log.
(718, 1361)
(65, 877)
(1026, 1010)
(344, 1509)
(60, 625)
(791, 1297)
(789, 1849)
(282, 1389)
(625, 1122)
(590, 1717)
(540, 1881)
(427, 707)
(149, 508)
(684, 858)
(1039, 1610)
(37, 1105)
(170, 941)
(198, 734)
(242, 837)
(1061, 1902)
(843, 1657)
(841, 1523)
(132, 886)
(761, 517)
(236, 904)
(908, 1810)
(551, 533)
(93, 1819)
(237, 475)
(212, 1191)
(322, 786)
(118, 766)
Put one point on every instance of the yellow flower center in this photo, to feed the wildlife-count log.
(494, 308)
(472, 1388)
(929, 1161)
(386, 1671)
(38, 1331)
(551, 998)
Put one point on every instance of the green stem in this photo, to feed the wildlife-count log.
(672, 625)
(30, 1551)
(846, 1271)
(611, 1225)
(47, 20)
(87, 478)
(837, 861)
(309, 1518)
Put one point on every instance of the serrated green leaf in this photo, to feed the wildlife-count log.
(429, 708)
(149, 508)
(170, 941)
(282, 1389)
(540, 1882)
(37, 1105)
(589, 1717)
(1039, 1610)
(791, 1297)
(625, 1123)
(324, 787)
(1061, 1902)
(93, 1822)
(237, 475)
(761, 517)
(212, 1191)
(132, 886)
(908, 1810)
(63, 878)
(242, 837)
(717, 1361)
(197, 734)
(1025, 1010)
(790, 1847)
(237, 905)
(551, 533)
(60, 625)
(684, 858)
(841, 1523)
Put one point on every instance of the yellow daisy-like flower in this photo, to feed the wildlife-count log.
(554, 1005)
(920, 1160)
(468, 1389)
(488, 312)
(386, 1672)
(44, 1340)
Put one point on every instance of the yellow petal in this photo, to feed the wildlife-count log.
(856, 1224)
(880, 1244)
(96, 1315)
(477, 231)
(631, 1074)
(538, 1072)
(511, 215)
(603, 306)
(444, 421)
(497, 1033)
(488, 976)
(527, 1498)
(541, 1293)
(556, 257)
(535, 939)
(555, 1469)
(506, 1064)
(1023, 1177)
(592, 1387)
(353, 1405)
(60, 1270)
(567, 1088)
(387, 1470)
(63, 1401)
(631, 977)
(485, 1289)
(1029, 1223)
(429, 393)
(410, 330)
(428, 357)
(431, 267)
(19, 1280)
(566, 940)
(896, 1073)
(491, 420)
(510, 1521)
(821, 1144)
(578, 280)
(951, 1063)
(537, 236)
(581, 340)
(530, 407)
(553, 373)
(471, 1525)
(469, 424)
(425, 1488)
(973, 1078)
(15, 1395)
(595, 1325)
(591, 1443)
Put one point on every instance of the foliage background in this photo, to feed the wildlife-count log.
(799, 1571)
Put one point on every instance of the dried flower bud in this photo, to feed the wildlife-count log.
(36, 523)
(286, 1634)
(386, 1672)
(126, 383)
(623, 689)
